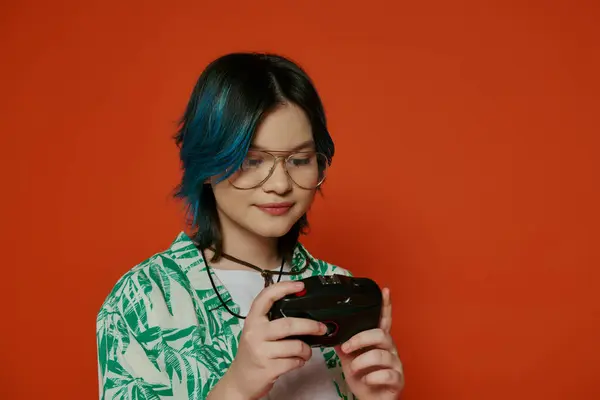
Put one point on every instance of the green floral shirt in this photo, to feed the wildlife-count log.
(162, 332)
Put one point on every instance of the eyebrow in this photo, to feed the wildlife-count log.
(304, 145)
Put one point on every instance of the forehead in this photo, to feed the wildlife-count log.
(283, 129)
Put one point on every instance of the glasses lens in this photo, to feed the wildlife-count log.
(308, 169)
(254, 169)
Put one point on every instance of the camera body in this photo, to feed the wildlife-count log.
(346, 305)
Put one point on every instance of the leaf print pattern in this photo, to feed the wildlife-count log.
(161, 280)
(162, 332)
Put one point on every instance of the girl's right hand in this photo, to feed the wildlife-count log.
(264, 353)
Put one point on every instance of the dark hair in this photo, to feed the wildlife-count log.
(228, 102)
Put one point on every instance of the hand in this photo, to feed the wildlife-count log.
(263, 353)
(370, 360)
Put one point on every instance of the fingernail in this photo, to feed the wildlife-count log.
(345, 347)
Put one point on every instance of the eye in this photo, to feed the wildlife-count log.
(301, 160)
(252, 161)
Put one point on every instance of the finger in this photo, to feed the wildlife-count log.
(289, 349)
(371, 338)
(385, 322)
(265, 299)
(340, 353)
(373, 359)
(285, 327)
(284, 365)
(385, 377)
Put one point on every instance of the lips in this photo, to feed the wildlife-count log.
(275, 208)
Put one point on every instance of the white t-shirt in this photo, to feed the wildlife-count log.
(310, 382)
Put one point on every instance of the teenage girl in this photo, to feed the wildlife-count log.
(191, 321)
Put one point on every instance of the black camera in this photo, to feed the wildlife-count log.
(346, 305)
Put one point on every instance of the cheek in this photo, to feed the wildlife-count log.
(229, 199)
(304, 199)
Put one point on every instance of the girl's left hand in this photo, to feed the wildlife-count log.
(370, 360)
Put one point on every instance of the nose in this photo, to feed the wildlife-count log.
(279, 182)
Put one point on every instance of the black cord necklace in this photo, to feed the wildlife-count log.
(266, 274)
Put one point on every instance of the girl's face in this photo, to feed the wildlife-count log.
(271, 209)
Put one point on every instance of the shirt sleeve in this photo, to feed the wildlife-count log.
(125, 371)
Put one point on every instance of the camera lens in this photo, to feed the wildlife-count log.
(332, 328)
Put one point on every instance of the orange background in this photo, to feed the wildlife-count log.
(466, 175)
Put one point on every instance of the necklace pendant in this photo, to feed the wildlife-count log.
(267, 277)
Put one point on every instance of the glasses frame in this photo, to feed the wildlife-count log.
(285, 158)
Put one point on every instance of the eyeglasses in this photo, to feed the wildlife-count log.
(305, 169)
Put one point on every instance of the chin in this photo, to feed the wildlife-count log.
(273, 232)
(274, 228)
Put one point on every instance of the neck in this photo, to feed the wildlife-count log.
(246, 246)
